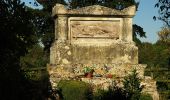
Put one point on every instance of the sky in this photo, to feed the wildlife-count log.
(143, 18)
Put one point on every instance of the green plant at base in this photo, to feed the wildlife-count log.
(75, 90)
(130, 91)
(132, 86)
(145, 97)
(113, 93)
(87, 69)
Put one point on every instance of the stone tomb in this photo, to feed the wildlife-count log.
(94, 36)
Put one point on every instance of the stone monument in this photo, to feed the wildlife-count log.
(95, 36)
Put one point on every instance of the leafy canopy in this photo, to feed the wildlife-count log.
(17, 35)
(117, 4)
(164, 11)
(17, 32)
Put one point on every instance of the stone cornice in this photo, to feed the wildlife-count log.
(94, 10)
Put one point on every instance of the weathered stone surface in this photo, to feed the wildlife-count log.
(94, 53)
(150, 87)
(58, 73)
(93, 39)
(59, 9)
(94, 10)
(119, 71)
(119, 20)
(95, 28)
(99, 83)
(59, 53)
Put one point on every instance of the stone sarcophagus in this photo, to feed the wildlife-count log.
(93, 35)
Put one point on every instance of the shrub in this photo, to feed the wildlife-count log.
(74, 90)
(132, 86)
(145, 97)
(130, 91)
(113, 93)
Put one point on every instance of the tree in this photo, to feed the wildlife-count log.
(117, 4)
(44, 22)
(146, 54)
(132, 86)
(138, 31)
(164, 34)
(48, 4)
(164, 11)
(17, 35)
(34, 58)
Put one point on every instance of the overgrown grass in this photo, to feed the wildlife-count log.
(145, 97)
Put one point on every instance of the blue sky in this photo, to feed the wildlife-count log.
(143, 18)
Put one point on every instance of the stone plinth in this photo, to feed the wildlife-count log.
(76, 71)
(104, 52)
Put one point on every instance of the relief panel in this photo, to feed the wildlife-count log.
(95, 28)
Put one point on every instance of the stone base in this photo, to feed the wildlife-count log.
(119, 71)
(93, 52)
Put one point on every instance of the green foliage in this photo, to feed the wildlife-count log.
(36, 85)
(113, 93)
(130, 91)
(163, 86)
(17, 35)
(48, 4)
(87, 69)
(35, 74)
(117, 4)
(138, 31)
(154, 54)
(132, 86)
(116, 93)
(145, 97)
(43, 22)
(44, 26)
(164, 95)
(164, 11)
(34, 58)
(16, 32)
(157, 56)
(72, 90)
(164, 34)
